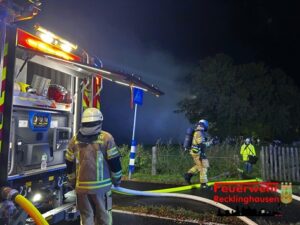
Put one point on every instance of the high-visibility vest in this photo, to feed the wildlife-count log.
(247, 150)
(93, 174)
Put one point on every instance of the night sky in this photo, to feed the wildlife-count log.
(161, 40)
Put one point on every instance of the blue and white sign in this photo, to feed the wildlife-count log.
(39, 121)
(138, 96)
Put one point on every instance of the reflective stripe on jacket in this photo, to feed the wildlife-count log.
(93, 174)
(198, 146)
(247, 150)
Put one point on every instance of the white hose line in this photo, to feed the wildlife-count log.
(185, 196)
(295, 197)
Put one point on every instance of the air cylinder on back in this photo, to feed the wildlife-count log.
(188, 138)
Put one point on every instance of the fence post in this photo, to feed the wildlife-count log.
(263, 163)
(275, 162)
(284, 164)
(293, 167)
(297, 164)
(288, 164)
(154, 160)
(280, 159)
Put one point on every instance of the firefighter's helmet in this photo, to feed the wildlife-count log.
(247, 141)
(204, 124)
(91, 115)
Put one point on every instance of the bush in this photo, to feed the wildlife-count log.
(142, 159)
(124, 151)
(171, 159)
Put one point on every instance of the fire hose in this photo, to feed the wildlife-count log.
(26, 205)
(31, 210)
(160, 193)
(168, 193)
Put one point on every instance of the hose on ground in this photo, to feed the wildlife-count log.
(126, 191)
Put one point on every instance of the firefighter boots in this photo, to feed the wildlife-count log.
(188, 177)
(203, 186)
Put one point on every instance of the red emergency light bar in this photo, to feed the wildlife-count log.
(27, 40)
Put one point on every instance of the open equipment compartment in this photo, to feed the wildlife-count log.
(41, 102)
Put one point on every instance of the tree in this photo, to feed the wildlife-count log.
(248, 99)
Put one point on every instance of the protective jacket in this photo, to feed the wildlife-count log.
(97, 162)
(198, 154)
(198, 146)
(246, 150)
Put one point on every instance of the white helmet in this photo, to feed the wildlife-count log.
(247, 141)
(91, 115)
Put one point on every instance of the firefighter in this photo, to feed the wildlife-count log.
(97, 168)
(198, 154)
(248, 155)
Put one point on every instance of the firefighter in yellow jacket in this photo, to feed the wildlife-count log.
(97, 168)
(247, 149)
(198, 154)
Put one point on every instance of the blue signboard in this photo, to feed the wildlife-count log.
(39, 121)
(138, 96)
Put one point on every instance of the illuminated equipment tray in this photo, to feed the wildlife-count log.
(32, 100)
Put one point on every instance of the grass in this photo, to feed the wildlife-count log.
(173, 162)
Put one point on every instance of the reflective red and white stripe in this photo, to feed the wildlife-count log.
(97, 87)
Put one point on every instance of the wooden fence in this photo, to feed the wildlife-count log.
(280, 164)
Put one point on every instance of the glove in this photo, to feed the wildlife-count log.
(116, 182)
(71, 180)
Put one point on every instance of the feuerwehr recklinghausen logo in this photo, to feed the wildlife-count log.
(286, 193)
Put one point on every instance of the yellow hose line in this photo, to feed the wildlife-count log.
(188, 187)
(31, 210)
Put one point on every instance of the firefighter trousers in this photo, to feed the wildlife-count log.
(199, 167)
(95, 209)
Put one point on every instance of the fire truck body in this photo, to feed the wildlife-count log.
(43, 93)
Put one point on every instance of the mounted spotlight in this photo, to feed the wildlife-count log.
(47, 38)
(54, 39)
(37, 197)
(66, 47)
(45, 43)
(36, 2)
